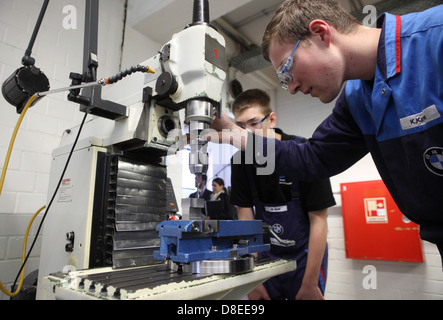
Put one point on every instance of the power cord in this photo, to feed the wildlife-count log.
(2, 180)
(31, 100)
(22, 274)
(51, 201)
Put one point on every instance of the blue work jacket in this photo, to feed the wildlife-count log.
(398, 118)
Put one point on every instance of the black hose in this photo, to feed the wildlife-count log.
(125, 73)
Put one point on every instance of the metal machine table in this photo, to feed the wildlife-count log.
(159, 282)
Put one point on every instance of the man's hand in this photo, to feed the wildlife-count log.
(223, 122)
(259, 293)
(309, 292)
(223, 130)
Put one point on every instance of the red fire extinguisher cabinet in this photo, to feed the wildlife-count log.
(374, 227)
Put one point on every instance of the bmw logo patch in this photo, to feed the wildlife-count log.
(433, 158)
(278, 229)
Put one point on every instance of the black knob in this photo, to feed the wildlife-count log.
(69, 247)
(166, 84)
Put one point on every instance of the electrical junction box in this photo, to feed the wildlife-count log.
(374, 227)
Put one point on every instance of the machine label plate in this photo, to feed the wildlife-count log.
(215, 53)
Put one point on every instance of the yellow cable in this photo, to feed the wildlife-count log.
(22, 274)
(11, 143)
(2, 180)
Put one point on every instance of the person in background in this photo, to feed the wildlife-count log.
(220, 193)
(295, 210)
(202, 192)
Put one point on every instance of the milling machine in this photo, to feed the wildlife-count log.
(109, 231)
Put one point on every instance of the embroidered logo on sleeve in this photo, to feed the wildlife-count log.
(433, 158)
(420, 119)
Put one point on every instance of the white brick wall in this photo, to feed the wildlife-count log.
(57, 52)
(395, 280)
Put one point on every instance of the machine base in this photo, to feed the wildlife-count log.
(158, 282)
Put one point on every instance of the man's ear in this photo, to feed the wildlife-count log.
(321, 29)
(272, 120)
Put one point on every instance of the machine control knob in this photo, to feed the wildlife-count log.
(166, 84)
(69, 247)
(70, 236)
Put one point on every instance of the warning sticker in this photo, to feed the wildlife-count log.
(376, 210)
(65, 191)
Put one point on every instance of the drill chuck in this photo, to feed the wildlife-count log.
(199, 115)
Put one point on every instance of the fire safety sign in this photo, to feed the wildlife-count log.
(374, 227)
(375, 210)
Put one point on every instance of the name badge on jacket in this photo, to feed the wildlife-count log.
(276, 209)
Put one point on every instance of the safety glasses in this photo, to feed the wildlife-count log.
(284, 72)
(253, 125)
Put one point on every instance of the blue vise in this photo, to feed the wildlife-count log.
(186, 241)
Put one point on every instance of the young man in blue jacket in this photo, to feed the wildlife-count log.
(391, 105)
